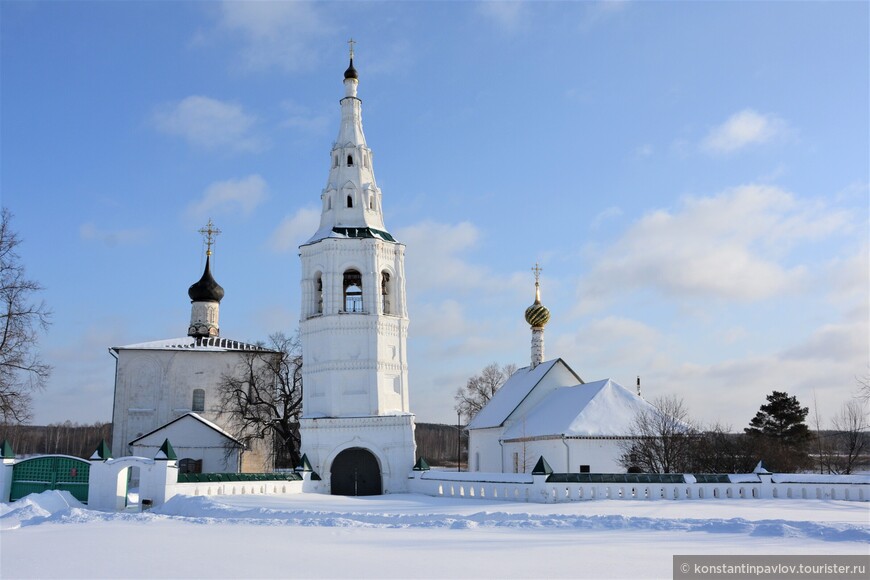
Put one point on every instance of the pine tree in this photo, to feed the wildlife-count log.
(780, 433)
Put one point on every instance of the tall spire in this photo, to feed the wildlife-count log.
(537, 315)
(351, 200)
(206, 294)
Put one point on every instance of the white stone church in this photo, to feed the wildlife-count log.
(357, 429)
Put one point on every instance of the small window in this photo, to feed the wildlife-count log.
(188, 465)
(349, 201)
(584, 469)
(335, 161)
(329, 203)
(371, 202)
(198, 404)
(350, 160)
(516, 462)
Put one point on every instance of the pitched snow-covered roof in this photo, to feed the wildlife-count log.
(512, 393)
(600, 409)
(193, 416)
(199, 343)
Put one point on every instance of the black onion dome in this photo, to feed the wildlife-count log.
(350, 73)
(206, 290)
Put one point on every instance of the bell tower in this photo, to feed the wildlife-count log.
(354, 325)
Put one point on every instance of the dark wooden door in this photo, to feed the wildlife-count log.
(355, 472)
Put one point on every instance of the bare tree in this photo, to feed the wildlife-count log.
(22, 316)
(262, 397)
(716, 449)
(479, 389)
(851, 435)
(661, 439)
(863, 387)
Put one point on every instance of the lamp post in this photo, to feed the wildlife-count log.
(458, 441)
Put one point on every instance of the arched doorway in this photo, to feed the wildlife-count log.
(355, 471)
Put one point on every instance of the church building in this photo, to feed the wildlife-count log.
(546, 410)
(170, 389)
(357, 431)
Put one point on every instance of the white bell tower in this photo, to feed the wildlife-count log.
(357, 430)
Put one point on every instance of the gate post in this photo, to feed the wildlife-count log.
(6, 471)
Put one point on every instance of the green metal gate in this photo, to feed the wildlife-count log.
(51, 472)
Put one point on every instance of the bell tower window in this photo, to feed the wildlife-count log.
(350, 160)
(385, 292)
(353, 297)
(349, 201)
(318, 294)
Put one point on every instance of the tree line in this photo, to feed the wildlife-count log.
(665, 439)
(67, 438)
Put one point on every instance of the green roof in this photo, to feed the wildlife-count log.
(304, 464)
(711, 478)
(616, 478)
(102, 451)
(166, 452)
(421, 465)
(542, 467)
(7, 452)
(364, 233)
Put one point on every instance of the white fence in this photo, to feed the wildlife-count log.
(536, 488)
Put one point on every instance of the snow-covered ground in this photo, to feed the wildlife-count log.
(402, 536)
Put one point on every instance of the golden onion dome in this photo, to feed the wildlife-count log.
(537, 315)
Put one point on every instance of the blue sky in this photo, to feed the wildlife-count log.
(692, 177)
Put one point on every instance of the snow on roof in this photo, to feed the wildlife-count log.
(329, 231)
(195, 416)
(600, 409)
(209, 344)
(510, 395)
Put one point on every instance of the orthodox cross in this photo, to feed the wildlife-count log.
(537, 270)
(210, 233)
(350, 43)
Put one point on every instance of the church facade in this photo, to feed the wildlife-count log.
(357, 430)
(546, 410)
(170, 389)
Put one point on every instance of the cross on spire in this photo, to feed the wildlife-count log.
(350, 43)
(209, 232)
(537, 270)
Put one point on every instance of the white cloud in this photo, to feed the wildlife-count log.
(596, 12)
(90, 232)
(726, 246)
(279, 35)
(239, 195)
(825, 363)
(645, 150)
(301, 118)
(294, 230)
(208, 123)
(609, 343)
(506, 15)
(744, 128)
(607, 214)
(436, 256)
